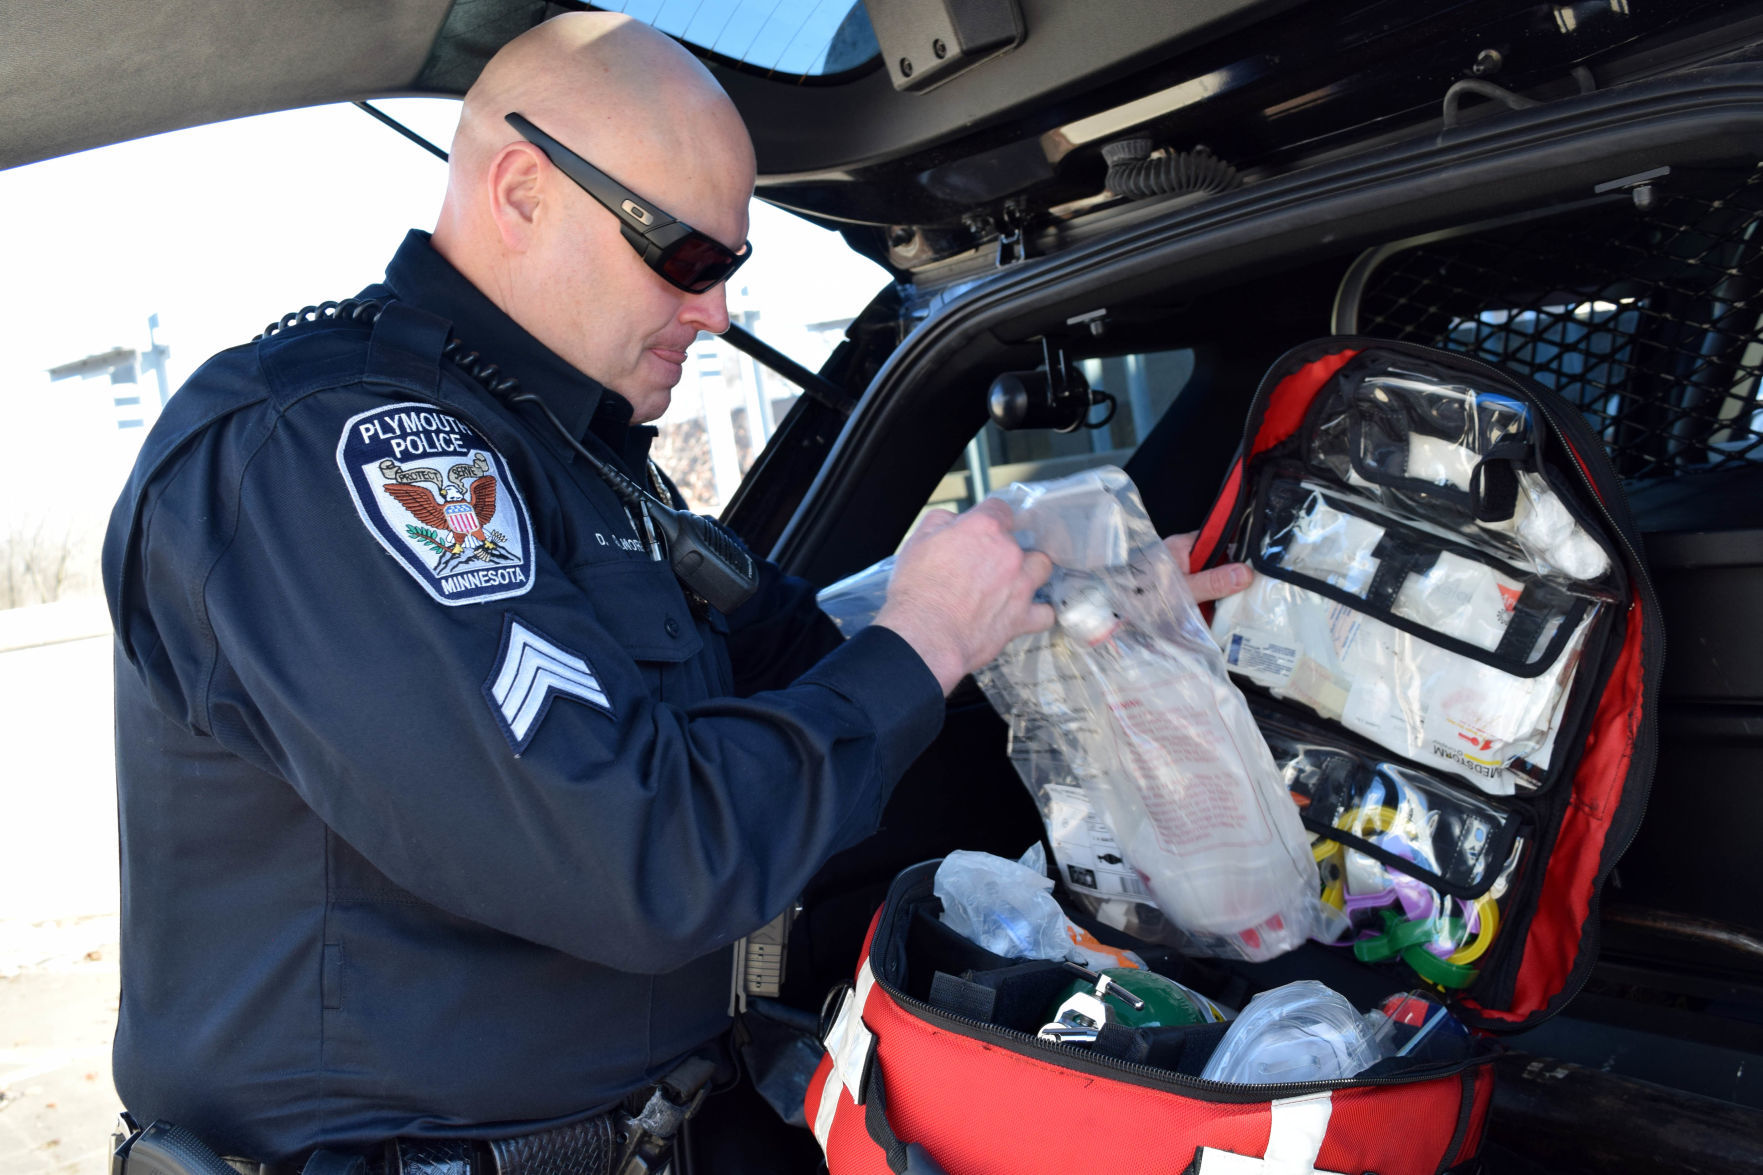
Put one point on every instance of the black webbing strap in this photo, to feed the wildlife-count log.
(1535, 607)
(904, 1158)
(1465, 1112)
(1397, 559)
(1493, 486)
(963, 997)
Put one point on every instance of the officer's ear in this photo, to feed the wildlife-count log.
(516, 186)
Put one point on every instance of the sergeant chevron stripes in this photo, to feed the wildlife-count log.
(530, 671)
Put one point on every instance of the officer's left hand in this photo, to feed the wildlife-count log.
(1215, 582)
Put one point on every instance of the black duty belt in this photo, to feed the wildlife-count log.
(638, 1142)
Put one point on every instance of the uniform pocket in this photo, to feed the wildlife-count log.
(641, 605)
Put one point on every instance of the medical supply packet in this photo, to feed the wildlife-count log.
(1454, 653)
(1132, 698)
(1430, 644)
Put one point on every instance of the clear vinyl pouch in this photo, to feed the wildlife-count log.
(1127, 701)
(1435, 644)
(1423, 443)
(1442, 834)
(1416, 867)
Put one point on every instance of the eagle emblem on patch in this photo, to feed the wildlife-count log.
(438, 498)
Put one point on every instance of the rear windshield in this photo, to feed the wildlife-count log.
(798, 38)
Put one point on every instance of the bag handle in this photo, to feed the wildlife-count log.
(1293, 1141)
(904, 1158)
(855, 1069)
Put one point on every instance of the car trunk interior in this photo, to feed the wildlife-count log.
(1606, 247)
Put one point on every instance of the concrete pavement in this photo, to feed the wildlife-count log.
(58, 897)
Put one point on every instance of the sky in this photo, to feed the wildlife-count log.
(220, 229)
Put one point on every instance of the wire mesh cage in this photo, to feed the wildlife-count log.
(1649, 322)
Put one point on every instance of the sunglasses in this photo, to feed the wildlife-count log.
(683, 256)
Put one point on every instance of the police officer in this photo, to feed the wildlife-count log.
(441, 798)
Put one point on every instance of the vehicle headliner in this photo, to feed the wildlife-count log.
(82, 73)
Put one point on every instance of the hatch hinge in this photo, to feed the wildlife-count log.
(1012, 233)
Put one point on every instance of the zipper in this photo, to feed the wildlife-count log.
(906, 889)
(1579, 441)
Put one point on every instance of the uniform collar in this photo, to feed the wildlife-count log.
(611, 422)
(420, 275)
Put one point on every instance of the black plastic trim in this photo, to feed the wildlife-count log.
(1541, 157)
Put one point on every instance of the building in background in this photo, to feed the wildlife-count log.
(136, 407)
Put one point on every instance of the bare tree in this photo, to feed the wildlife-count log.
(41, 562)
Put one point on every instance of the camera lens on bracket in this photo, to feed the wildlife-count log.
(1029, 399)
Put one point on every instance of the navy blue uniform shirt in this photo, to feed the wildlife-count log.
(439, 806)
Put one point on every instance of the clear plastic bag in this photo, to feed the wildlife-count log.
(1007, 907)
(852, 602)
(1091, 862)
(1416, 1025)
(1134, 697)
(1303, 1031)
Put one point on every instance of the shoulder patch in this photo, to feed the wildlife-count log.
(531, 669)
(440, 501)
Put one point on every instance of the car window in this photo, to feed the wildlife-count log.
(1143, 385)
(799, 293)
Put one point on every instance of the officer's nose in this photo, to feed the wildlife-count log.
(707, 311)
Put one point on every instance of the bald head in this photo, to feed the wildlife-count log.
(642, 109)
(616, 91)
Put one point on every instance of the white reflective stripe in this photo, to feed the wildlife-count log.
(1216, 1162)
(829, 1105)
(865, 985)
(850, 1042)
(1293, 1142)
(1299, 1124)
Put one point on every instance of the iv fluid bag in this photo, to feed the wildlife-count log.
(1130, 693)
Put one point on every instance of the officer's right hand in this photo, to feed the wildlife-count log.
(962, 589)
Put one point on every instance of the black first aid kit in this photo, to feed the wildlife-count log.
(1452, 655)
(1452, 648)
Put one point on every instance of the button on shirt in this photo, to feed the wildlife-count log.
(439, 805)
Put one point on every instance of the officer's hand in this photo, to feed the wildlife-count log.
(1215, 582)
(962, 589)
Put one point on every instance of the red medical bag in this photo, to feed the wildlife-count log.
(929, 1065)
